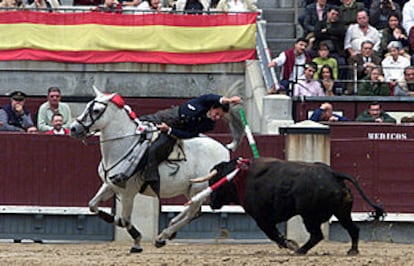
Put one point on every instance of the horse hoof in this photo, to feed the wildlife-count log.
(136, 250)
(174, 235)
(292, 245)
(352, 252)
(160, 243)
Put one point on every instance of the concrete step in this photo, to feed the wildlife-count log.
(279, 15)
(278, 45)
(275, 3)
(280, 30)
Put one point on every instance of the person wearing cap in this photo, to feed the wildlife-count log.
(393, 65)
(51, 107)
(15, 116)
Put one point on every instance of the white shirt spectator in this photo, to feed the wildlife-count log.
(300, 61)
(394, 69)
(308, 87)
(408, 15)
(355, 36)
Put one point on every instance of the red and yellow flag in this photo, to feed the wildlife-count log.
(95, 37)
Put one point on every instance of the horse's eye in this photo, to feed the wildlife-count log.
(96, 111)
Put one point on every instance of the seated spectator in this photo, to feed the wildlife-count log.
(109, 6)
(87, 2)
(374, 113)
(236, 6)
(11, 5)
(362, 64)
(57, 123)
(357, 33)
(380, 10)
(348, 11)
(152, 5)
(44, 5)
(292, 62)
(394, 32)
(408, 22)
(374, 84)
(315, 12)
(306, 85)
(407, 119)
(332, 32)
(329, 85)
(325, 113)
(405, 86)
(15, 116)
(393, 65)
(191, 6)
(325, 59)
(131, 3)
(51, 107)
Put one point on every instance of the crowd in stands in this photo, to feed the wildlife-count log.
(369, 45)
(118, 6)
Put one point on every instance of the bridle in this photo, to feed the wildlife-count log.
(93, 119)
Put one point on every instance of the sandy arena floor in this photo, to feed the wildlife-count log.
(186, 253)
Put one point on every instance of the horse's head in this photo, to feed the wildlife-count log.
(93, 117)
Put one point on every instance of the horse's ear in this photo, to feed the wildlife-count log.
(97, 91)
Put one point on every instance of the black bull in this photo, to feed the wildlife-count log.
(272, 191)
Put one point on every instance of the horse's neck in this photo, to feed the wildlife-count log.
(117, 139)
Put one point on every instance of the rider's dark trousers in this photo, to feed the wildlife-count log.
(158, 152)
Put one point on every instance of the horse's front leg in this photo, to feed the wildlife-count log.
(125, 221)
(104, 193)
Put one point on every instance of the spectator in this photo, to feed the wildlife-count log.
(380, 10)
(348, 11)
(332, 32)
(407, 119)
(325, 113)
(306, 85)
(292, 61)
(325, 59)
(357, 33)
(51, 107)
(236, 6)
(44, 5)
(131, 3)
(408, 21)
(109, 6)
(393, 65)
(152, 5)
(374, 84)
(362, 63)
(58, 129)
(405, 86)
(191, 6)
(87, 2)
(374, 113)
(11, 5)
(315, 12)
(394, 32)
(15, 116)
(329, 85)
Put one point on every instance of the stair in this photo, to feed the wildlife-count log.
(281, 27)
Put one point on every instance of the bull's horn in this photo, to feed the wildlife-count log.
(97, 91)
(204, 178)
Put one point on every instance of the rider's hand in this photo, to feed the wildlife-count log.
(163, 127)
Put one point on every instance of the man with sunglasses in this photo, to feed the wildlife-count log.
(15, 116)
(51, 107)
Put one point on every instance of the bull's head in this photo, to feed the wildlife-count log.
(227, 193)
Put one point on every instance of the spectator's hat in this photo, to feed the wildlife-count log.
(18, 95)
(394, 44)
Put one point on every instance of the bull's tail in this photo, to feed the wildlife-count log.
(378, 210)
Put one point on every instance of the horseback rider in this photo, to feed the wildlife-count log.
(188, 120)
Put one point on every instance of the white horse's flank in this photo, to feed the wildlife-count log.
(117, 136)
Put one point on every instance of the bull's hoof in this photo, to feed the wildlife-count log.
(352, 252)
(173, 235)
(292, 245)
(300, 251)
(160, 243)
(136, 250)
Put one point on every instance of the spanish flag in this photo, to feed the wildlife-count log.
(96, 37)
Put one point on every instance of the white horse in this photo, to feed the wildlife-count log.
(120, 135)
